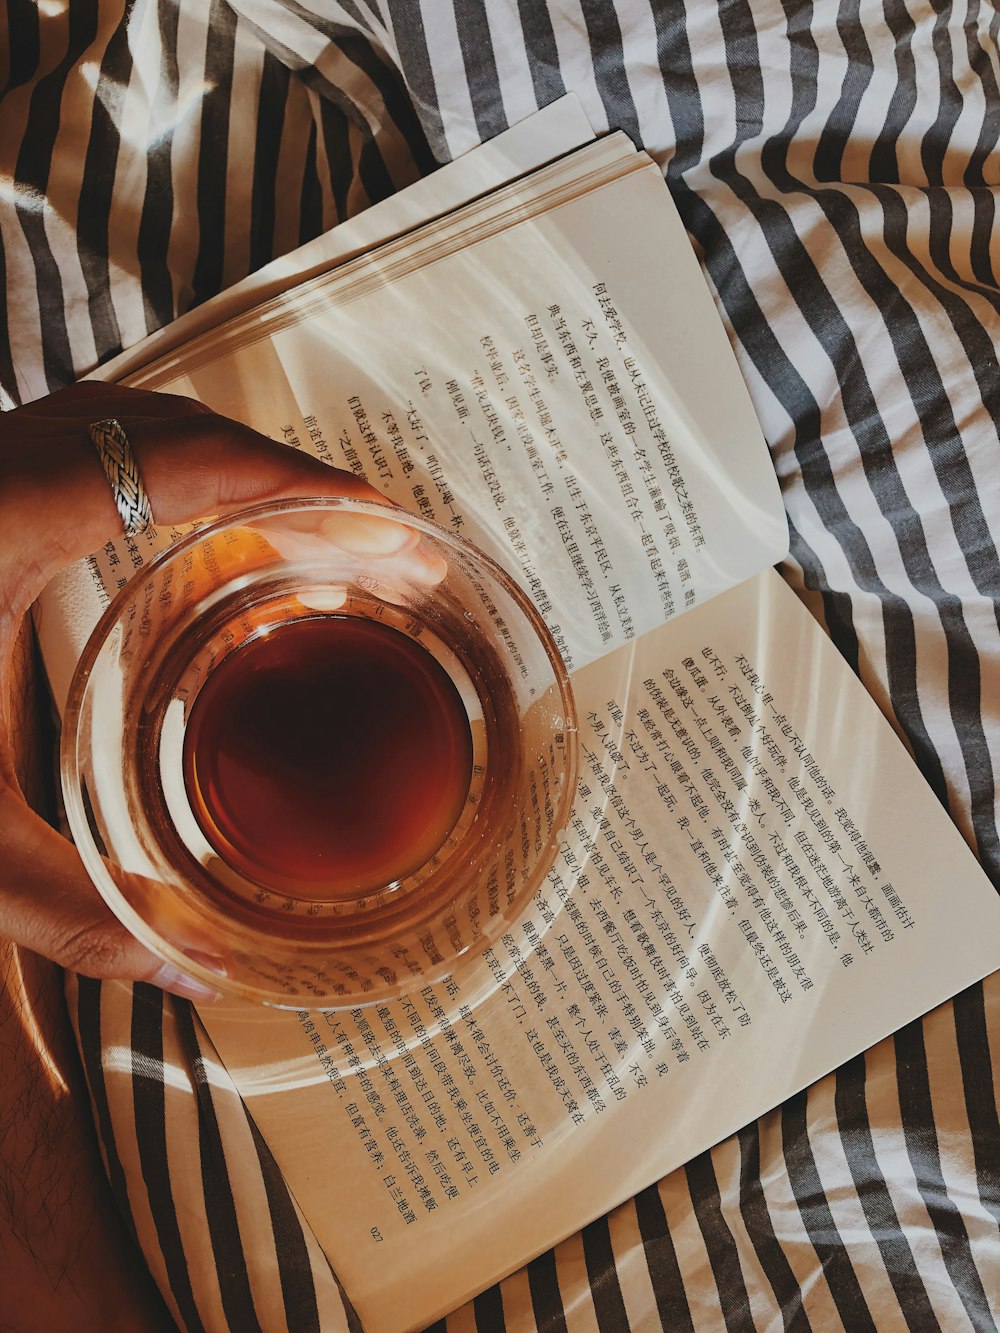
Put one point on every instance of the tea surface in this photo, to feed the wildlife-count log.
(331, 754)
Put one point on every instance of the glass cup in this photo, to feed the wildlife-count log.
(318, 752)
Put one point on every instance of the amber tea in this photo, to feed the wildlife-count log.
(333, 753)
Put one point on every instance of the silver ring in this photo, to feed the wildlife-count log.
(122, 473)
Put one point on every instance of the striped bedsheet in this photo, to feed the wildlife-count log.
(837, 170)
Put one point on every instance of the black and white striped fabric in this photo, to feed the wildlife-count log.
(837, 169)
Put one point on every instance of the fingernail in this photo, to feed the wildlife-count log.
(324, 599)
(175, 981)
(435, 567)
(368, 534)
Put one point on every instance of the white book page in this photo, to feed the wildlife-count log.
(561, 393)
(757, 885)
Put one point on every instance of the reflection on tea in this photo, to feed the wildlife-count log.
(332, 754)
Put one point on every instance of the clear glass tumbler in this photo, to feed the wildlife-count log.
(318, 752)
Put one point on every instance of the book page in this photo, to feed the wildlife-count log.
(582, 419)
(756, 886)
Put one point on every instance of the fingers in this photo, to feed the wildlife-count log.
(49, 905)
(393, 548)
(197, 465)
(56, 506)
(400, 547)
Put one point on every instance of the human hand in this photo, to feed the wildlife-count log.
(56, 507)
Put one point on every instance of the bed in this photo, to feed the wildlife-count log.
(837, 171)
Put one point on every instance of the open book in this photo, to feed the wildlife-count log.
(756, 883)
